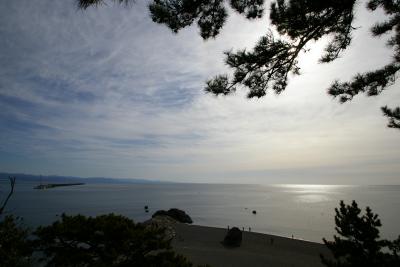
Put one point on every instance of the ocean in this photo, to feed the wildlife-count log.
(304, 211)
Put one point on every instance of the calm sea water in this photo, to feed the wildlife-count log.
(305, 211)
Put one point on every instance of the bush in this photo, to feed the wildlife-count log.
(15, 248)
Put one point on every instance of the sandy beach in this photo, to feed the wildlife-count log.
(202, 245)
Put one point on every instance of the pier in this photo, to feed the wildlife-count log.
(47, 186)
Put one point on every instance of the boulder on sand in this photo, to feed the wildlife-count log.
(233, 238)
(178, 215)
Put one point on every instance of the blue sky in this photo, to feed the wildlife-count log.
(106, 92)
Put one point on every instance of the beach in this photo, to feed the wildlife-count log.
(202, 245)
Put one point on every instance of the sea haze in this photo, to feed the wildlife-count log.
(305, 211)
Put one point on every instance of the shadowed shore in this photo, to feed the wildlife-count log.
(202, 245)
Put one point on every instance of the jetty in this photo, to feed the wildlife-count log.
(48, 186)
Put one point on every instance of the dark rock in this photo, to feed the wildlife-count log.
(180, 216)
(233, 238)
(176, 214)
(160, 213)
(254, 212)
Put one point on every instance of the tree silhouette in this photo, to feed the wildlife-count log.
(273, 58)
(12, 185)
(359, 243)
(106, 240)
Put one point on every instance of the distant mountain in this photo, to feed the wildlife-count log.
(71, 179)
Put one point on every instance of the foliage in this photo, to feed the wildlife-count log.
(15, 249)
(394, 116)
(210, 15)
(374, 82)
(87, 3)
(107, 240)
(272, 59)
(358, 243)
(298, 22)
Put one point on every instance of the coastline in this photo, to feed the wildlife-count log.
(202, 245)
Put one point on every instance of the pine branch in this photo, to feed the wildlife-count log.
(84, 4)
(393, 115)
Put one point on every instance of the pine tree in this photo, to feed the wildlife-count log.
(359, 243)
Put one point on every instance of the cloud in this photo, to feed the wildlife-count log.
(106, 92)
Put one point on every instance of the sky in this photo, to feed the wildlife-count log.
(108, 93)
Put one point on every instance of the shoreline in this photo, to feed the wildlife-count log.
(202, 245)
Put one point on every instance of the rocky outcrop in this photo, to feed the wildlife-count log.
(176, 214)
(164, 222)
